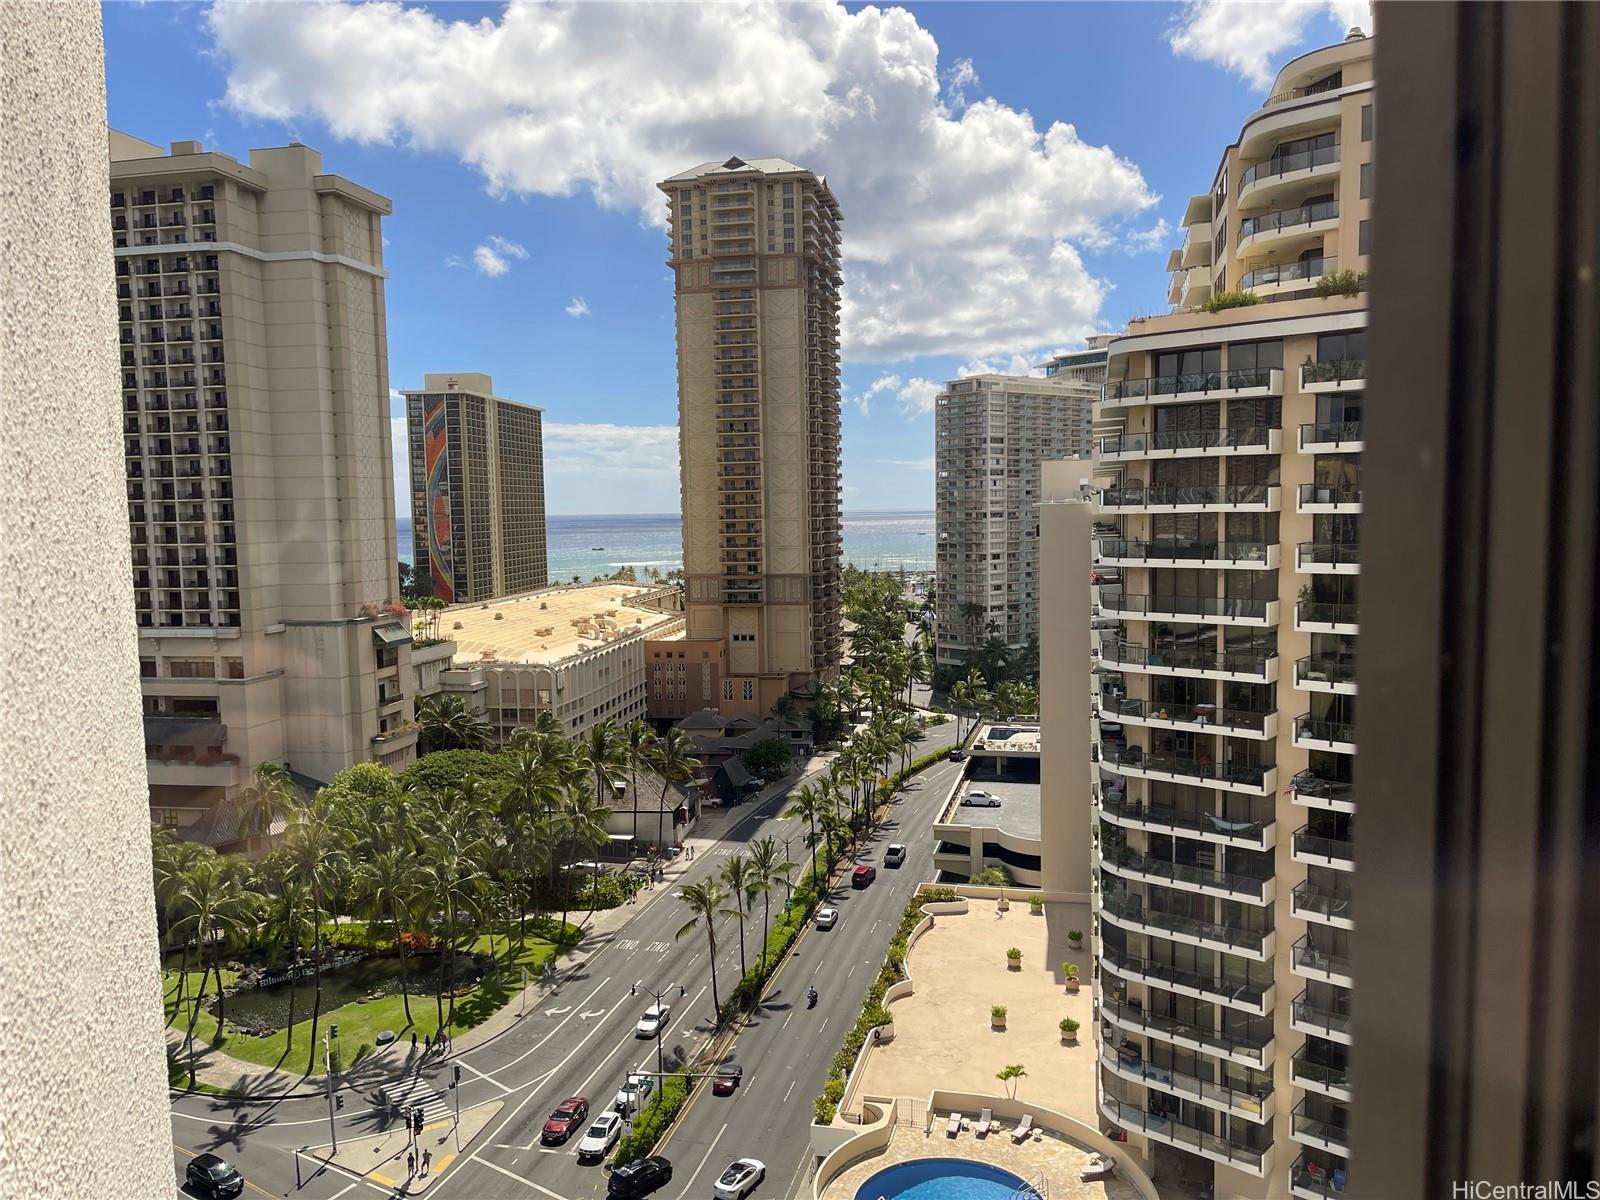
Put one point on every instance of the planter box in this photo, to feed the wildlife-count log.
(1014, 964)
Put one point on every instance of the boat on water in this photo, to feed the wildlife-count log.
(597, 547)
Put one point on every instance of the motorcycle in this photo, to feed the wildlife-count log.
(811, 997)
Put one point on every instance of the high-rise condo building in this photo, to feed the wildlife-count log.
(991, 433)
(255, 399)
(1089, 365)
(1226, 687)
(477, 489)
(755, 249)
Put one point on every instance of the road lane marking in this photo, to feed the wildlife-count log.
(487, 1078)
(559, 1026)
(786, 1095)
(703, 1159)
(821, 1027)
(483, 1162)
(851, 971)
(787, 1019)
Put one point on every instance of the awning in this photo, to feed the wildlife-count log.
(391, 635)
(174, 731)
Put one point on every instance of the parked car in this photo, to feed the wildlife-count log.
(977, 799)
(602, 1135)
(640, 1178)
(567, 1119)
(213, 1176)
(827, 918)
(727, 1079)
(740, 1179)
(863, 875)
(654, 1019)
(633, 1093)
(894, 855)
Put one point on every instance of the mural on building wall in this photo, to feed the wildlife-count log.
(436, 465)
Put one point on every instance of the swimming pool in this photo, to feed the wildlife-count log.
(944, 1179)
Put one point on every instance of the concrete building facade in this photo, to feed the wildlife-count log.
(755, 253)
(477, 489)
(992, 432)
(1226, 686)
(260, 496)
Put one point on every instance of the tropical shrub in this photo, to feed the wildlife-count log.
(1224, 300)
(654, 1119)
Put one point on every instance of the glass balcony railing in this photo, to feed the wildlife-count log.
(1193, 714)
(1311, 899)
(1225, 990)
(1329, 554)
(1175, 550)
(1134, 1117)
(1319, 612)
(1306, 783)
(1310, 268)
(1316, 846)
(1251, 1045)
(1289, 218)
(1325, 670)
(1164, 495)
(1308, 1175)
(1338, 370)
(1186, 439)
(1188, 658)
(1252, 832)
(1288, 164)
(1313, 729)
(1139, 759)
(1192, 606)
(1303, 1070)
(1181, 1083)
(1311, 1126)
(1130, 910)
(1315, 959)
(1321, 493)
(1335, 433)
(1235, 379)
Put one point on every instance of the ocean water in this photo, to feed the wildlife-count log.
(885, 541)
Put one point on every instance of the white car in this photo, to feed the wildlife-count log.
(827, 918)
(740, 1179)
(601, 1136)
(653, 1021)
(980, 799)
(633, 1093)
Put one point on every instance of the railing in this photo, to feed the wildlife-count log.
(1310, 1176)
(1182, 1083)
(1306, 214)
(1195, 714)
(1329, 554)
(1185, 550)
(1234, 662)
(1250, 1046)
(1338, 370)
(1339, 849)
(1224, 990)
(1136, 758)
(1172, 819)
(1315, 959)
(1309, 898)
(1312, 1127)
(1196, 606)
(1288, 164)
(1130, 909)
(1311, 268)
(1323, 612)
(1324, 670)
(1321, 493)
(1308, 784)
(1301, 1067)
(1191, 381)
(1138, 1118)
(1334, 433)
(1185, 439)
(1176, 494)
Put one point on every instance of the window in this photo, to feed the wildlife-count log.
(727, 689)
(749, 689)
(1366, 122)
(1366, 181)
(1338, 347)
(1364, 238)
(1256, 355)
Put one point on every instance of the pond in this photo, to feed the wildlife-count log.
(259, 1008)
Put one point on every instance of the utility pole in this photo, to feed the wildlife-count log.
(327, 1061)
(661, 1062)
(457, 1084)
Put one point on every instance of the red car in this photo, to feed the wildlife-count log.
(863, 875)
(726, 1080)
(568, 1117)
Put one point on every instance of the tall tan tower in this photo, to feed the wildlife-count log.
(755, 247)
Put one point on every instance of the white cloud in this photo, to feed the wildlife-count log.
(1143, 240)
(578, 308)
(1248, 37)
(1020, 364)
(917, 396)
(916, 464)
(492, 255)
(636, 466)
(961, 76)
(962, 229)
(880, 385)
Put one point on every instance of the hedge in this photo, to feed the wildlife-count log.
(654, 1118)
(873, 1012)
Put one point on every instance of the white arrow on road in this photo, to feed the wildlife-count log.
(556, 1012)
(584, 1016)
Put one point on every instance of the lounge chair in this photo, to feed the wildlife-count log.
(954, 1127)
(985, 1122)
(1100, 1166)
(1023, 1129)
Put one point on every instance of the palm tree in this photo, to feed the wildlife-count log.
(287, 924)
(768, 867)
(216, 908)
(387, 883)
(315, 840)
(269, 797)
(450, 723)
(605, 752)
(452, 873)
(810, 802)
(673, 760)
(638, 740)
(736, 877)
(586, 827)
(705, 902)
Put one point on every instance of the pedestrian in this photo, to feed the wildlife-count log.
(413, 1041)
(411, 1163)
(427, 1160)
(427, 1044)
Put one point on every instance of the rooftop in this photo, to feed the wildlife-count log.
(543, 628)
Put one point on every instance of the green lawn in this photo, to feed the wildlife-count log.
(359, 1024)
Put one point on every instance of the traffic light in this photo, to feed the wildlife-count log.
(416, 1121)
(458, 1074)
(333, 1031)
(338, 1101)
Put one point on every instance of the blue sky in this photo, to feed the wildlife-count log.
(1011, 176)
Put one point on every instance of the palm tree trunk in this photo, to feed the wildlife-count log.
(222, 995)
(744, 968)
(193, 1017)
(766, 930)
(316, 967)
(450, 922)
(716, 1000)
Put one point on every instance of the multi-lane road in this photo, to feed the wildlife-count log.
(581, 1041)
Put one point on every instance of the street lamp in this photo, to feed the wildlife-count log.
(661, 1068)
(327, 1061)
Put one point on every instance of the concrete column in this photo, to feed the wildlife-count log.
(82, 1070)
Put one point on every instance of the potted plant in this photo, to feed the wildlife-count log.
(1002, 904)
(1036, 905)
(1070, 970)
(997, 1016)
(1014, 958)
(1069, 1031)
(1075, 938)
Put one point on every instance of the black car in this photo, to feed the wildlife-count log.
(213, 1176)
(640, 1178)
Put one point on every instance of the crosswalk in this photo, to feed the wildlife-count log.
(436, 1105)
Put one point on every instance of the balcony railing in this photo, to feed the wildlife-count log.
(1129, 909)
(1186, 439)
(1225, 991)
(1308, 784)
(1136, 758)
(1322, 1130)
(1316, 960)
(1315, 729)
(1329, 554)
(1288, 164)
(1252, 832)
(1338, 370)
(1235, 379)
(1185, 550)
(1173, 495)
(1193, 714)
(1218, 1095)
(1251, 1046)
(1310, 1176)
(1320, 612)
(1135, 1117)
(1302, 1069)
(1194, 606)
(1289, 218)
(1312, 669)
(1317, 846)
(1342, 495)
(1312, 899)
(1184, 658)
(1310, 268)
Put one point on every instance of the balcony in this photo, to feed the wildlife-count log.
(1136, 763)
(1270, 230)
(1190, 931)
(1238, 556)
(1328, 558)
(1278, 274)
(1255, 1106)
(1310, 1130)
(1190, 498)
(1254, 835)
(1311, 903)
(1195, 718)
(1286, 170)
(1322, 498)
(1252, 1049)
(1318, 616)
(1338, 375)
(1328, 1081)
(1190, 443)
(1316, 733)
(1184, 662)
(1207, 1145)
(1209, 987)
(1309, 847)
(1338, 675)
(1237, 383)
(1227, 885)
(1310, 1180)
(1330, 795)
(1214, 610)
(1309, 959)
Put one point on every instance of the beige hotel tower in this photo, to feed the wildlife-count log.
(1227, 631)
(755, 250)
